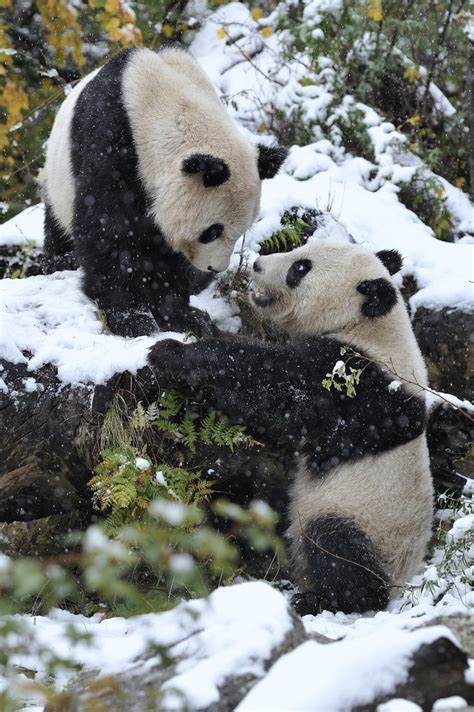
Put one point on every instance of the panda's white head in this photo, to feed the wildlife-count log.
(201, 174)
(325, 287)
(209, 200)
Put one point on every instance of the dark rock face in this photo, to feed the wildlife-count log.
(446, 339)
(437, 671)
(47, 445)
(450, 437)
(463, 628)
(41, 538)
(50, 446)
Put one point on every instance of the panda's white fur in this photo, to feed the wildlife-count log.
(388, 495)
(144, 168)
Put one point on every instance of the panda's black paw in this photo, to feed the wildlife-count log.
(202, 326)
(307, 603)
(131, 323)
(189, 321)
(166, 356)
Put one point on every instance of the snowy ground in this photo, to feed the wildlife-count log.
(233, 633)
(49, 320)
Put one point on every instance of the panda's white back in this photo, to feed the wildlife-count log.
(59, 183)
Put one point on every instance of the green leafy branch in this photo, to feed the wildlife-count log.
(343, 378)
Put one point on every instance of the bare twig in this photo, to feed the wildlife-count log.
(413, 382)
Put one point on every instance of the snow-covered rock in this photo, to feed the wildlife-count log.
(203, 655)
(243, 649)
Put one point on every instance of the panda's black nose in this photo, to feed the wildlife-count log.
(211, 269)
(257, 267)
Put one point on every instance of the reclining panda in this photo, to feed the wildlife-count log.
(361, 501)
(148, 185)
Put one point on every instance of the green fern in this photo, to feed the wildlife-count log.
(114, 482)
(214, 428)
(116, 520)
(216, 431)
(124, 491)
(169, 405)
(189, 432)
(284, 240)
(294, 232)
(188, 486)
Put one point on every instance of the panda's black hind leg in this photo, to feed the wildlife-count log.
(339, 569)
(58, 250)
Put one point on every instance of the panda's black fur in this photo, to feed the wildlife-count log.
(276, 392)
(128, 266)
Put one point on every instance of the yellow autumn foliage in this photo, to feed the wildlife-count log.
(6, 58)
(112, 6)
(414, 120)
(63, 29)
(375, 10)
(412, 73)
(13, 101)
(167, 30)
(118, 20)
(257, 13)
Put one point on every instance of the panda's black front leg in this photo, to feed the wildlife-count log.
(173, 313)
(111, 280)
(254, 384)
(170, 295)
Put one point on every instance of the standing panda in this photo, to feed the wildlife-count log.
(148, 185)
(361, 501)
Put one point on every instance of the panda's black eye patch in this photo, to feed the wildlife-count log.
(297, 271)
(212, 233)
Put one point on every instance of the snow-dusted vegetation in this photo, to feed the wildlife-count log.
(168, 602)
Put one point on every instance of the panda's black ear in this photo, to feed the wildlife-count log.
(270, 160)
(214, 170)
(381, 297)
(391, 259)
